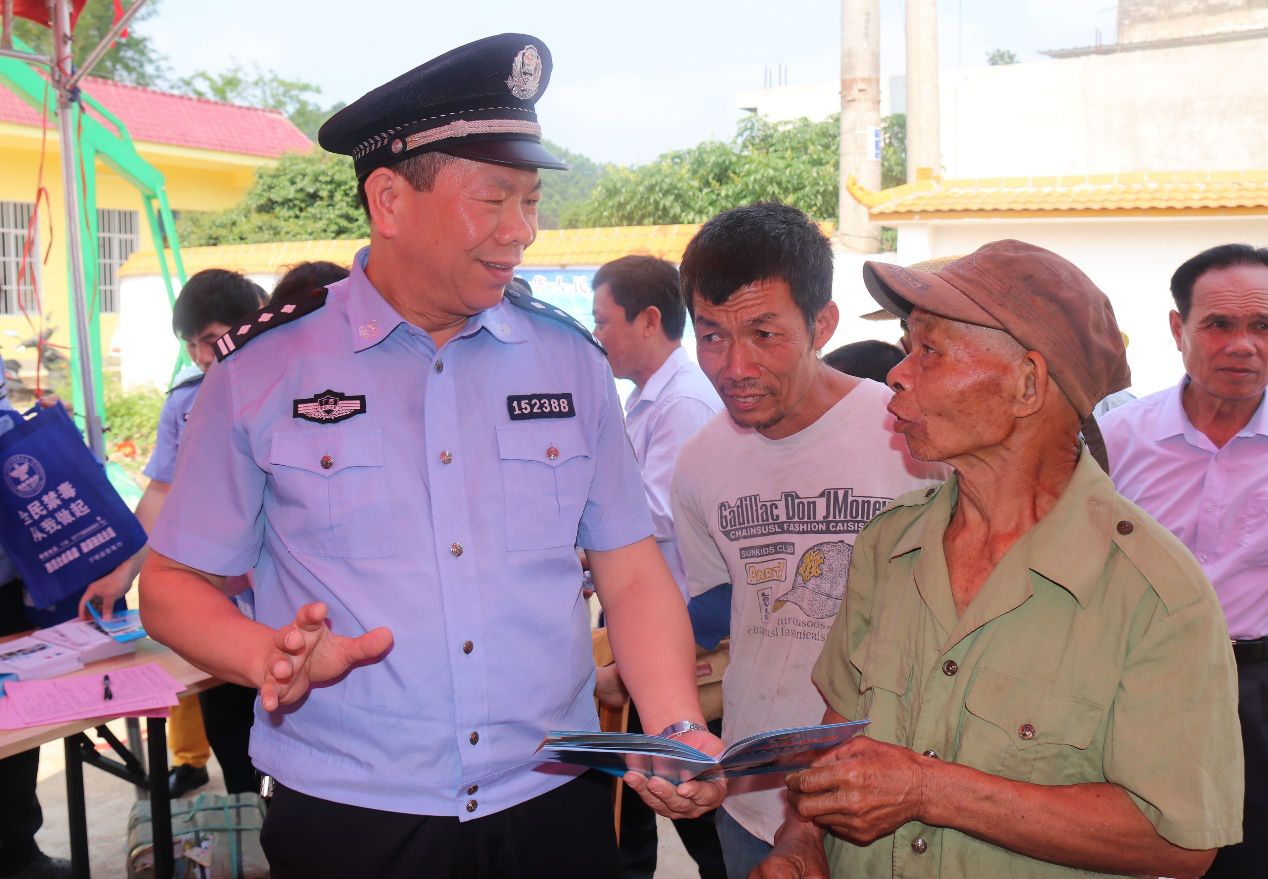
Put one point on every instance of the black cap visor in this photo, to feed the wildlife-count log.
(518, 153)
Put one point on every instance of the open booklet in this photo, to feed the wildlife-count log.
(781, 750)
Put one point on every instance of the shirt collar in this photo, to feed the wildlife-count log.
(371, 319)
(1082, 517)
(1173, 421)
(652, 388)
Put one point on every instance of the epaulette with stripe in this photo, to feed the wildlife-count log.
(524, 302)
(275, 314)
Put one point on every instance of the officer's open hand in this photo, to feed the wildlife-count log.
(863, 790)
(689, 799)
(308, 652)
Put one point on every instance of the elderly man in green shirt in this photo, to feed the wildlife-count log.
(1047, 671)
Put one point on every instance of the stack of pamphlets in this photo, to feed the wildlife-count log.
(30, 659)
(87, 637)
(781, 750)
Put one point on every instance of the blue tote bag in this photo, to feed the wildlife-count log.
(61, 521)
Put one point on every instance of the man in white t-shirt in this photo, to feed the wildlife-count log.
(769, 496)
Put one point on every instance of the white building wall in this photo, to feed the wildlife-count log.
(1192, 108)
(1131, 259)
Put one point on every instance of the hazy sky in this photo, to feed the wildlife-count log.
(631, 80)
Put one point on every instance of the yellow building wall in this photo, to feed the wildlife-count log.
(195, 180)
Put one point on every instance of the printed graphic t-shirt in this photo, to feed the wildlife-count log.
(777, 519)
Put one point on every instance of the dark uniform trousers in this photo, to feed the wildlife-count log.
(566, 833)
(1249, 858)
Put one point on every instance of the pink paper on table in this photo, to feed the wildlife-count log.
(139, 691)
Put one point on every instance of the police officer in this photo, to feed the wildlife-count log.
(407, 458)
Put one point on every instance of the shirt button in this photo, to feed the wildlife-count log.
(1026, 731)
(327, 462)
(440, 366)
(467, 647)
(446, 458)
(1125, 527)
(1210, 508)
(552, 453)
(950, 667)
(919, 846)
(471, 805)
(455, 550)
(1202, 557)
(473, 788)
(474, 738)
(931, 753)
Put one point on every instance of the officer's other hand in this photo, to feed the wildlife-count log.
(104, 592)
(798, 854)
(307, 652)
(863, 790)
(689, 799)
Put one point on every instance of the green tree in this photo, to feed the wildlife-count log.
(1001, 56)
(303, 197)
(563, 192)
(132, 59)
(795, 162)
(256, 87)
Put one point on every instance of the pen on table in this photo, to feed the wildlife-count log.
(105, 688)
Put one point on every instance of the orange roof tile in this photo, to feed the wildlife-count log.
(1140, 193)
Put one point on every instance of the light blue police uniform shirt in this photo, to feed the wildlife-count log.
(171, 424)
(470, 563)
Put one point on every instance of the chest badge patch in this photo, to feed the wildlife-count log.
(329, 407)
(523, 407)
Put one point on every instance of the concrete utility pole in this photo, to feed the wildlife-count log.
(923, 147)
(860, 119)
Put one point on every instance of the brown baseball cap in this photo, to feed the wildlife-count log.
(1039, 298)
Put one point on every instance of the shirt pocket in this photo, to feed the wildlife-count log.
(547, 470)
(1254, 542)
(330, 493)
(885, 681)
(1019, 730)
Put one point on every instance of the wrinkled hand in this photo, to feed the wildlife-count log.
(689, 799)
(798, 854)
(105, 591)
(863, 790)
(306, 652)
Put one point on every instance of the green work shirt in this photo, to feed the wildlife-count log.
(1095, 651)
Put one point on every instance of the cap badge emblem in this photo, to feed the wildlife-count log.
(526, 74)
(397, 146)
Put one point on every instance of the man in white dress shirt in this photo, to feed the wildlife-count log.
(1195, 457)
(639, 317)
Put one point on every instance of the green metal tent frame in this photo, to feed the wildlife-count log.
(116, 151)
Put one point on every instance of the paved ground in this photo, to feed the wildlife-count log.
(109, 799)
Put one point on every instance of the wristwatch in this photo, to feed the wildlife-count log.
(683, 726)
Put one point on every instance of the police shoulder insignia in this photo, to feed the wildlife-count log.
(524, 302)
(329, 407)
(272, 315)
